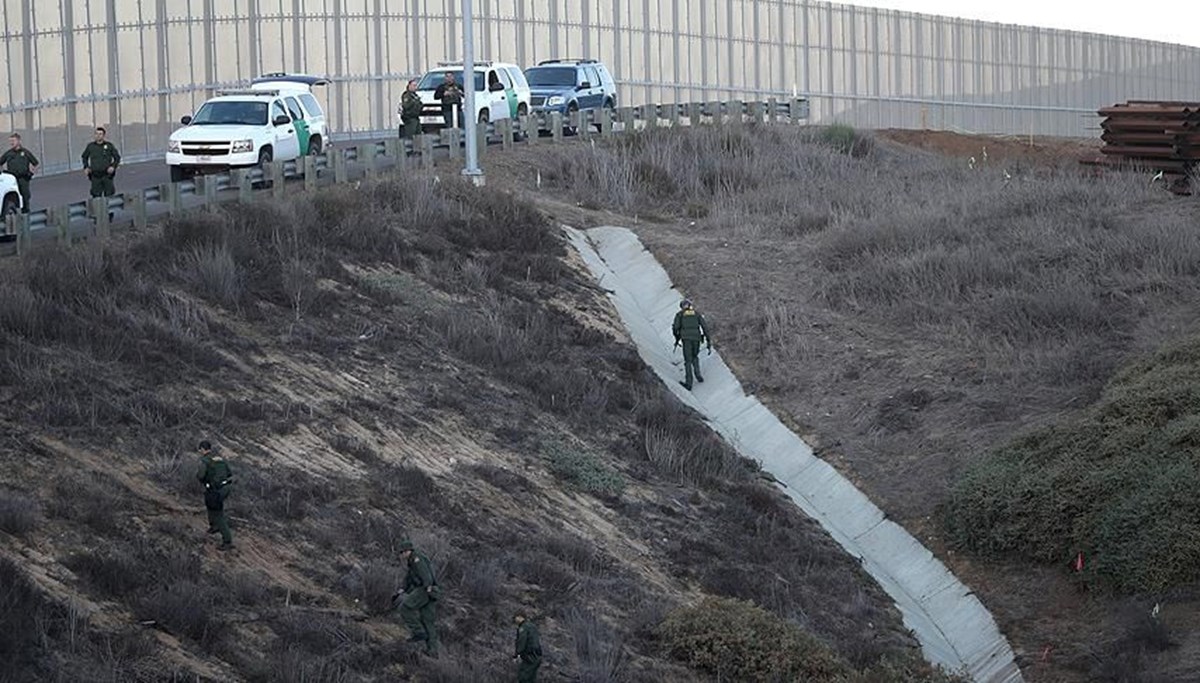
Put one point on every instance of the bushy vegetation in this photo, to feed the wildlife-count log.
(584, 470)
(735, 640)
(1118, 482)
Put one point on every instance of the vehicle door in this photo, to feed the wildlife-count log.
(493, 94)
(595, 92)
(287, 144)
(303, 132)
(510, 93)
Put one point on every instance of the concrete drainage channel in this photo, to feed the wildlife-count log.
(954, 628)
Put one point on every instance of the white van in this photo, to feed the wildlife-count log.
(276, 118)
(501, 92)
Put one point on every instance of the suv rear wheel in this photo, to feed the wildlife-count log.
(314, 146)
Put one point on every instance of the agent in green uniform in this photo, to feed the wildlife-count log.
(690, 329)
(217, 477)
(418, 608)
(410, 111)
(22, 164)
(100, 162)
(529, 649)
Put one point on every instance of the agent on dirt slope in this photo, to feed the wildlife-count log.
(217, 477)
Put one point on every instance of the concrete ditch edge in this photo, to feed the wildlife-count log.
(954, 628)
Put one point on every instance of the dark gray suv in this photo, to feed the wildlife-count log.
(566, 85)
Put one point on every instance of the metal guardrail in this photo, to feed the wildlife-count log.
(341, 163)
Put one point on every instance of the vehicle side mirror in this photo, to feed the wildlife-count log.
(185, 120)
(282, 120)
(584, 85)
(496, 87)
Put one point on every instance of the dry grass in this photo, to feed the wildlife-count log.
(910, 313)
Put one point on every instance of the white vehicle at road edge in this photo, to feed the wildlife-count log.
(276, 118)
(501, 92)
(12, 202)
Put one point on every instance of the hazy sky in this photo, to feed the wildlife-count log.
(1173, 21)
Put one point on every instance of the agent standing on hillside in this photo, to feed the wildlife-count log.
(451, 96)
(21, 163)
(217, 477)
(418, 608)
(690, 329)
(410, 111)
(529, 649)
(100, 162)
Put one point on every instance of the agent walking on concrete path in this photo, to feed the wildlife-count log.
(100, 162)
(529, 649)
(410, 111)
(22, 164)
(214, 472)
(690, 329)
(418, 607)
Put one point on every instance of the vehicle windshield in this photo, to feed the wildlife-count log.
(550, 76)
(435, 78)
(231, 114)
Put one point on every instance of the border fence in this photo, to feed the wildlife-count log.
(137, 66)
(97, 217)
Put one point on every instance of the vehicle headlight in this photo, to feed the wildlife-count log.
(242, 146)
(554, 100)
(173, 146)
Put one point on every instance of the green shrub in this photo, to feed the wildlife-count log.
(584, 470)
(738, 641)
(846, 139)
(1117, 483)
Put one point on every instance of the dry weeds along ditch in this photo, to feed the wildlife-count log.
(925, 324)
(405, 360)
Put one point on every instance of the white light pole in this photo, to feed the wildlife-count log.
(472, 171)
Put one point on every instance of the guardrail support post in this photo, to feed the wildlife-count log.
(210, 192)
(533, 128)
(507, 138)
(240, 179)
(137, 205)
(584, 129)
(452, 138)
(20, 224)
(736, 111)
(169, 193)
(606, 122)
(62, 224)
(715, 112)
(99, 210)
(695, 109)
(797, 110)
(393, 148)
(556, 126)
(427, 159)
(310, 172)
(650, 115)
(339, 165)
(772, 110)
(366, 158)
(755, 109)
(675, 116)
(275, 172)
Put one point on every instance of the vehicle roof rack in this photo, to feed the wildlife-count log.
(255, 92)
(568, 61)
(282, 77)
(478, 62)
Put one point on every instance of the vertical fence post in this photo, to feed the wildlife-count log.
(556, 126)
(310, 172)
(137, 205)
(62, 223)
(366, 159)
(506, 133)
(339, 165)
(168, 193)
(427, 151)
(276, 171)
(99, 209)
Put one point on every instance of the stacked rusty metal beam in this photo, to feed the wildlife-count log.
(1151, 135)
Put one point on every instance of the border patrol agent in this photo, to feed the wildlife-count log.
(22, 164)
(690, 329)
(217, 477)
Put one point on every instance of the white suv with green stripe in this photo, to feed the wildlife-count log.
(501, 92)
(276, 118)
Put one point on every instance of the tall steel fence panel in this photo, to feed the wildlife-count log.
(137, 66)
